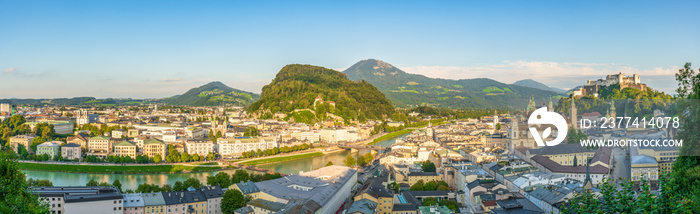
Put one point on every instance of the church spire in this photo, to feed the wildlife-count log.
(588, 184)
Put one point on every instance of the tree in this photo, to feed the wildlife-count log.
(361, 161)
(684, 180)
(14, 197)
(428, 166)
(330, 163)
(92, 183)
(418, 186)
(178, 186)
(195, 157)
(369, 157)
(232, 200)
(221, 179)
(117, 184)
(240, 176)
(251, 131)
(191, 182)
(185, 157)
(350, 161)
(431, 185)
(39, 183)
(157, 158)
(498, 126)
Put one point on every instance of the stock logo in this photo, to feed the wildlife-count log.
(543, 117)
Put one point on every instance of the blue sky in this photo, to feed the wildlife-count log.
(150, 49)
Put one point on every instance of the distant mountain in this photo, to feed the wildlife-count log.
(410, 90)
(213, 93)
(320, 90)
(534, 84)
(75, 101)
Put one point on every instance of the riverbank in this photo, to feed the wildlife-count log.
(390, 135)
(112, 169)
(279, 159)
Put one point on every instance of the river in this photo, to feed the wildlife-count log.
(131, 181)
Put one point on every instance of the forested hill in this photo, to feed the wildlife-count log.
(297, 87)
(213, 93)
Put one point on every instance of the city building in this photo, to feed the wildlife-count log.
(665, 156)
(60, 127)
(125, 148)
(375, 191)
(80, 139)
(363, 206)
(248, 188)
(414, 177)
(51, 148)
(201, 147)
(213, 194)
(154, 203)
(100, 144)
(134, 204)
(189, 201)
(71, 151)
(265, 206)
(644, 167)
(119, 133)
(22, 140)
(153, 147)
(67, 200)
(329, 186)
(234, 147)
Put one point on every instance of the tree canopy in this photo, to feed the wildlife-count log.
(14, 197)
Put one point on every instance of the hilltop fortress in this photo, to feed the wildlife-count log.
(592, 87)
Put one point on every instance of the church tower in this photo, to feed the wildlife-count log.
(551, 106)
(588, 184)
(612, 109)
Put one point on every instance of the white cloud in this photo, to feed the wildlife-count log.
(545, 72)
(10, 70)
(172, 79)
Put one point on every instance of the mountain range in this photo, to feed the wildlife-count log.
(410, 90)
(534, 84)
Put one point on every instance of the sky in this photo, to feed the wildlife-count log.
(154, 49)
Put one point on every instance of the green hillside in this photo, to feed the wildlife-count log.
(411, 90)
(296, 87)
(213, 93)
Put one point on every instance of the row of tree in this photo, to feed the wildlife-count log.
(429, 186)
(276, 150)
(174, 156)
(223, 179)
(362, 160)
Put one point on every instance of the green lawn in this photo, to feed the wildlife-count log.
(390, 135)
(280, 159)
(115, 169)
(206, 164)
